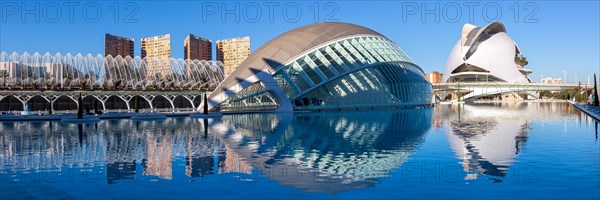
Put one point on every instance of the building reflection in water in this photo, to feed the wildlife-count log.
(334, 151)
(234, 163)
(202, 153)
(488, 137)
(323, 152)
(160, 154)
(120, 171)
(327, 152)
(124, 148)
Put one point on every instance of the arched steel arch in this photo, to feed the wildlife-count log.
(116, 96)
(165, 97)
(96, 98)
(130, 73)
(71, 97)
(2, 97)
(480, 89)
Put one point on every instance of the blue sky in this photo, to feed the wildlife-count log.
(555, 36)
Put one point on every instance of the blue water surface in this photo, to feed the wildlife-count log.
(480, 151)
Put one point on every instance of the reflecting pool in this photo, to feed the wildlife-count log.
(493, 151)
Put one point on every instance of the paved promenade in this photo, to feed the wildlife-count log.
(593, 111)
(46, 117)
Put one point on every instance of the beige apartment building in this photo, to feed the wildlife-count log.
(434, 77)
(232, 52)
(197, 48)
(157, 47)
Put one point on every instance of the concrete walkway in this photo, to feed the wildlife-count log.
(47, 117)
(593, 111)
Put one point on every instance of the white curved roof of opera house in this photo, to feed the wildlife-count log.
(485, 53)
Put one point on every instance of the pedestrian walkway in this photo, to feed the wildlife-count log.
(593, 111)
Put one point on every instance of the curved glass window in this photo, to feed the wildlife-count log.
(386, 84)
(253, 97)
(358, 71)
(337, 58)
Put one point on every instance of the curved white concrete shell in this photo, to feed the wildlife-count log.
(324, 66)
(486, 54)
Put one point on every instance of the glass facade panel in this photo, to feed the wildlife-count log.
(334, 60)
(286, 85)
(296, 75)
(312, 74)
(323, 67)
(253, 97)
(343, 55)
(387, 84)
(353, 72)
(358, 59)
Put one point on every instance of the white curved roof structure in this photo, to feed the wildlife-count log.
(323, 66)
(486, 54)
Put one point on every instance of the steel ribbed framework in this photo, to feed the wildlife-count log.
(122, 73)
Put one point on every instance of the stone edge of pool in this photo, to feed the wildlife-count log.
(592, 112)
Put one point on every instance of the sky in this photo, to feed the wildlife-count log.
(557, 37)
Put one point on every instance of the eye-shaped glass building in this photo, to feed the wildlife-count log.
(324, 66)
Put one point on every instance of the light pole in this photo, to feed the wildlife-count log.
(565, 76)
(588, 79)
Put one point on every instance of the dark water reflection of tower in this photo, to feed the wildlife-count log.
(201, 159)
(121, 146)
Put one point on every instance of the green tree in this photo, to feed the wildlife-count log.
(82, 84)
(117, 83)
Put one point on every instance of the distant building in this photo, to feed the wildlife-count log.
(550, 80)
(232, 52)
(197, 48)
(159, 48)
(434, 77)
(117, 45)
